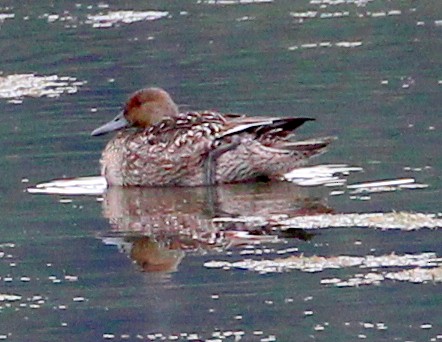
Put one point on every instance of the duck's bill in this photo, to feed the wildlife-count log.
(117, 123)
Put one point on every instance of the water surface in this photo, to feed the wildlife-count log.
(78, 267)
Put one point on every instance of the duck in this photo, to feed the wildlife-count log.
(157, 145)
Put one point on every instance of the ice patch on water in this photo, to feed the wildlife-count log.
(392, 220)
(17, 86)
(232, 2)
(424, 267)
(327, 174)
(4, 16)
(389, 220)
(320, 263)
(387, 185)
(4, 297)
(324, 44)
(359, 3)
(113, 18)
(75, 186)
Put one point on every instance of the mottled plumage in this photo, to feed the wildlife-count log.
(199, 148)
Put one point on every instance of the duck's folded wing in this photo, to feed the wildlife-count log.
(263, 125)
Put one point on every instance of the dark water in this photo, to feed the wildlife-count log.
(370, 72)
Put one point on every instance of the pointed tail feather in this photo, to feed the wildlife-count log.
(310, 144)
(310, 147)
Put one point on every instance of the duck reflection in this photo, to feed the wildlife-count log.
(156, 226)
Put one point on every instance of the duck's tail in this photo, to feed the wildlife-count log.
(308, 148)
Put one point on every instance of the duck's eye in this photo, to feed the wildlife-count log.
(137, 102)
(134, 102)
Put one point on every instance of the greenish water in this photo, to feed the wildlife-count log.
(370, 74)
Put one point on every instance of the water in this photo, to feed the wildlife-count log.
(368, 71)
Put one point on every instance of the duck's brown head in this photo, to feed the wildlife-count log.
(144, 108)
